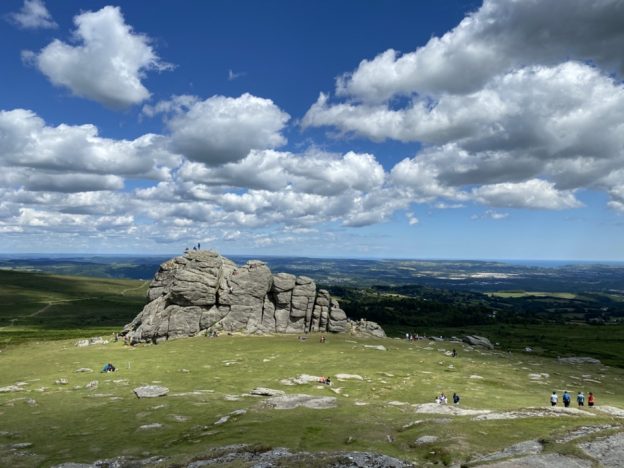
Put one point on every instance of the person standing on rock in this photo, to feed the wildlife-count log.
(566, 399)
(553, 399)
(580, 399)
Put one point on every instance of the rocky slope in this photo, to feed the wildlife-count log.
(203, 291)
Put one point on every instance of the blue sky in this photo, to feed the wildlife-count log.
(428, 129)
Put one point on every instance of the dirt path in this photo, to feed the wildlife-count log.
(45, 308)
(123, 292)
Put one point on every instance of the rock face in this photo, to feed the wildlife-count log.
(204, 291)
(475, 340)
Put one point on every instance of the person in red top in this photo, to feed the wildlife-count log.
(590, 399)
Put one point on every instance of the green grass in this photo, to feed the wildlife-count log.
(72, 423)
(558, 295)
(85, 426)
(46, 307)
(604, 342)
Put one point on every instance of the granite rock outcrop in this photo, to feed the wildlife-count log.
(204, 292)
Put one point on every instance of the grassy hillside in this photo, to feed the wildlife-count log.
(211, 377)
(36, 306)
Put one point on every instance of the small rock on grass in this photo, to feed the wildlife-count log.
(150, 426)
(426, 439)
(11, 388)
(263, 391)
(150, 391)
(84, 369)
(379, 347)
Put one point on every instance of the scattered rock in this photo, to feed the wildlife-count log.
(262, 391)
(150, 426)
(434, 408)
(61, 381)
(578, 360)
(349, 377)
(222, 420)
(426, 439)
(529, 447)
(480, 341)
(612, 410)
(21, 446)
(246, 455)
(11, 388)
(609, 451)
(301, 380)
(475, 377)
(84, 369)
(30, 402)
(538, 376)
(378, 347)
(96, 340)
(582, 432)
(92, 385)
(411, 424)
(179, 418)
(550, 460)
(550, 411)
(150, 391)
(296, 400)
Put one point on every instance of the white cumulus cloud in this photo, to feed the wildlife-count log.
(107, 62)
(33, 15)
(221, 129)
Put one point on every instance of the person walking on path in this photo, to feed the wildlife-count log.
(553, 399)
(580, 399)
(590, 399)
(566, 399)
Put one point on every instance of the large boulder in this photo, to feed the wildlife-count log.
(203, 292)
(480, 341)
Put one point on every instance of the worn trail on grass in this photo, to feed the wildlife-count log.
(142, 285)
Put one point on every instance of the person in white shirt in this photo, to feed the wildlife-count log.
(553, 399)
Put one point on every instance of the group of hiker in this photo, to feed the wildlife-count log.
(413, 337)
(566, 398)
(195, 247)
(441, 399)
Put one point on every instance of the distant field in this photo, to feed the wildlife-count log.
(559, 295)
(604, 342)
(36, 306)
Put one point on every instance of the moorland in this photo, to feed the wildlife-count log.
(382, 403)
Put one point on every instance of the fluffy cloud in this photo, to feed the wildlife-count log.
(106, 65)
(221, 129)
(27, 142)
(500, 36)
(534, 193)
(33, 15)
(311, 172)
(512, 95)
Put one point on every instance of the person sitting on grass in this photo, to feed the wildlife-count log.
(108, 368)
(325, 380)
